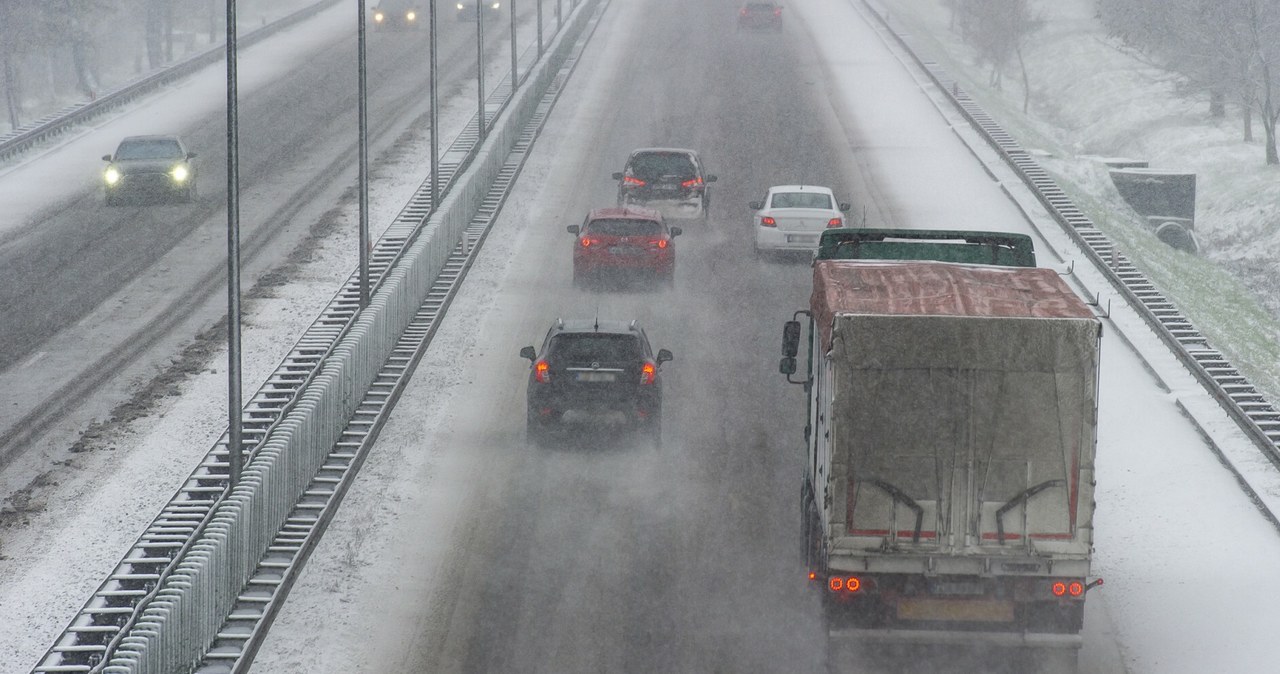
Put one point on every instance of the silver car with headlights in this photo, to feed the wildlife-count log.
(469, 10)
(149, 167)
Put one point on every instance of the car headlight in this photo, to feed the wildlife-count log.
(179, 173)
(411, 16)
(497, 5)
(460, 6)
(111, 175)
(378, 17)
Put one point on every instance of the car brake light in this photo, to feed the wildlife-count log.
(767, 221)
(660, 243)
(744, 11)
(648, 373)
(692, 182)
(632, 180)
(542, 372)
(777, 12)
(835, 222)
(587, 243)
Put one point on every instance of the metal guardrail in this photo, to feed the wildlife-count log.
(1257, 417)
(20, 140)
(304, 432)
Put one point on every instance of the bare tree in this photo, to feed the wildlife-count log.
(998, 31)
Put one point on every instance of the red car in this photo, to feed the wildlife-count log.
(616, 241)
(760, 16)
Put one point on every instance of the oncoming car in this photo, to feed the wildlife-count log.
(398, 14)
(615, 241)
(793, 217)
(760, 16)
(671, 180)
(597, 371)
(469, 10)
(149, 166)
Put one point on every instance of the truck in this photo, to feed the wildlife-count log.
(952, 388)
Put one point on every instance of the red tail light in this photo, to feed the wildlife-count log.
(838, 584)
(542, 372)
(648, 372)
(1075, 588)
(835, 222)
(587, 243)
(744, 11)
(632, 180)
(767, 221)
(692, 182)
(1059, 589)
(659, 243)
(777, 12)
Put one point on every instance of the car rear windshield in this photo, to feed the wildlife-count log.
(801, 200)
(656, 164)
(594, 347)
(149, 149)
(760, 6)
(624, 227)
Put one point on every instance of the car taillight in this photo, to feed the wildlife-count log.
(744, 11)
(587, 243)
(835, 222)
(542, 372)
(692, 182)
(648, 373)
(632, 180)
(767, 221)
(777, 12)
(658, 243)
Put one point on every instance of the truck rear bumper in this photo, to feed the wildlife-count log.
(998, 639)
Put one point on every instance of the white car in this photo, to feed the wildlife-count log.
(792, 217)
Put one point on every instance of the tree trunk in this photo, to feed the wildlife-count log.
(154, 35)
(1246, 116)
(1026, 81)
(1217, 104)
(13, 95)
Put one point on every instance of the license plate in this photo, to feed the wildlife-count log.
(957, 587)
(597, 376)
(801, 238)
(956, 610)
(625, 250)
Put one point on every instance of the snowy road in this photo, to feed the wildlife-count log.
(461, 549)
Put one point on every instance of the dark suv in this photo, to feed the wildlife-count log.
(670, 180)
(149, 166)
(593, 368)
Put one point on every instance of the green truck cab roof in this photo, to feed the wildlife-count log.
(940, 245)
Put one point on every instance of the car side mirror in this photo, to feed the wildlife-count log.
(787, 366)
(756, 205)
(617, 176)
(676, 231)
(664, 356)
(528, 352)
(845, 206)
(106, 157)
(710, 179)
(572, 229)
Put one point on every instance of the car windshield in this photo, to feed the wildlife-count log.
(591, 347)
(801, 200)
(624, 227)
(160, 148)
(656, 164)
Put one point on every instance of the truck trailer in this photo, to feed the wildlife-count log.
(948, 495)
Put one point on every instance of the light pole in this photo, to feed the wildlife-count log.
(435, 117)
(514, 62)
(363, 122)
(480, 125)
(234, 421)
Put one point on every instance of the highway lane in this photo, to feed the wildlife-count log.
(465, 550)
(81, 281)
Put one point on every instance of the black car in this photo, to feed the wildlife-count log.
(391, 14)
(595, 368)
(670, 180)
(149, 166)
